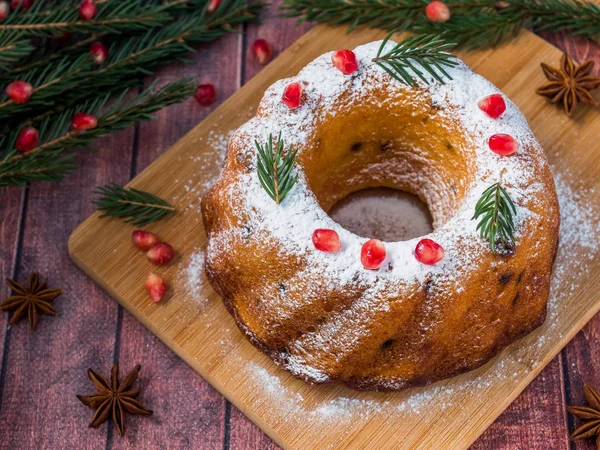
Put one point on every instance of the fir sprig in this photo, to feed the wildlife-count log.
(50, 160)
(13, 48)
(496, 209)
(409, 56)
(275, 168)
(137, 207)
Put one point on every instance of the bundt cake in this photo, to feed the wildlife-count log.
(330, 306)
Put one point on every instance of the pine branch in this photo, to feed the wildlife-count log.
(578, 17)
(50, 160)
(426, 51)
(275, 168)
(496, 209)
(13, 48)
(139, 208)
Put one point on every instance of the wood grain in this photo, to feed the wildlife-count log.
(202, 333)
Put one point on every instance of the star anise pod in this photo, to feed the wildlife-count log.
(36, 296)
(114, 399)
(569, 84)
(590, 413)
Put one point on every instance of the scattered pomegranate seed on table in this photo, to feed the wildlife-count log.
(99, 52)
(28, 139)
(493, 105)
(21, 4)
(212, 6)
(437, 11)
(326, 240)
(345, 61)
(4, 10)
(372, 254)
(160, 253)
(144, 240)
(292, 95)
(19, 91)
(429, 252)
(262, 51)
(83, 121)
(205, 94)
(156, 287)
(503, 144)
(88, 9)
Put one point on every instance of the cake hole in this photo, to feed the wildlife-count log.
(387, 344)
(356, 146)
(311, 329)
(383, 213)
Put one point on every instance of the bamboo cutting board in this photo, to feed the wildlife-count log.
(192, 321)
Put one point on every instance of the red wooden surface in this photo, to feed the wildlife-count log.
(40, 373)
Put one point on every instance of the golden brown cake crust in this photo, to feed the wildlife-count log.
(324, 317)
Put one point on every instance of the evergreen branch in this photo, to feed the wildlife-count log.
(13, 48)
(275, 168)
(428, 51)
(50, 160)
(139, 208)
(496, 209)
(578, 17)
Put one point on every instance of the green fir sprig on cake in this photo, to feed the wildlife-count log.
(275, 166)
(495, 211)
(415, 56)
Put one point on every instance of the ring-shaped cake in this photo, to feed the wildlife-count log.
(322, 315)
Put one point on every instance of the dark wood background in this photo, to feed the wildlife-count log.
(40, 373)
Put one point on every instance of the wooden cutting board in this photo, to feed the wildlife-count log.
(193, 322)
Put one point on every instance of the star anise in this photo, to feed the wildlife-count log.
(589, 413)
(569, 84)
(36, 296)
(114, 398)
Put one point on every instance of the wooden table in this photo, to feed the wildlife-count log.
(40, 373)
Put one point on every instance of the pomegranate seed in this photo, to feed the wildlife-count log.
(143, 240)
(345, 61)
(88, 9)
(4, 10)
(205, 94)
(262, 51)
(99, 52)
(212, 6)
(493, 105)
(326, 240)
(27, 140)
(19, 91)
(156, 287)
(21, 4)
(429, 252)
(83, 121)
(503, 144)
(160, 253)
(437, 11)
(292, 95)
(372, 254)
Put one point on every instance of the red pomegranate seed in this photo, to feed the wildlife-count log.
(99, 52)
(429, 252)
(88, 9)
(156, 287)
(19, 91)
(212, 6)
(144, 240)
(4, 10)
(28, 139)
(437, 11)
(372, 254)
(21, 4)
(503, 144)
(83, 121)
(493, 105)
(160, 253)
(345, 61)
(326, 240)
(292, 95)
(262, 51)
(205, 94)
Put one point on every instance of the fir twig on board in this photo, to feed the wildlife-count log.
(137, 207)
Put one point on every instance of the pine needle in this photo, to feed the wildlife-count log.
(137, 207)
(275, 168)
(496, 209)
